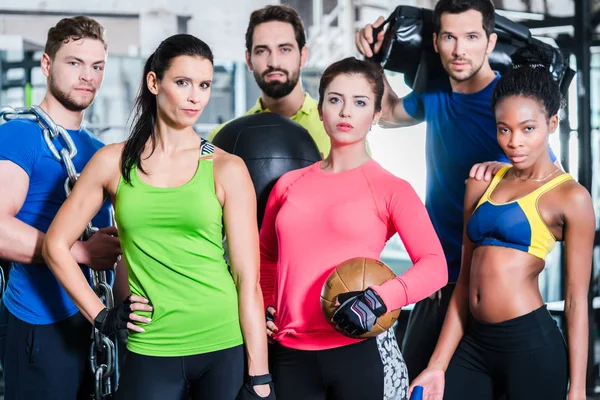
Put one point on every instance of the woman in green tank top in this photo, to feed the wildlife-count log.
(174, 195)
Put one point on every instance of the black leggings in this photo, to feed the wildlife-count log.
(523, 358)
(369, 370)
(49, 362)
(212, 376)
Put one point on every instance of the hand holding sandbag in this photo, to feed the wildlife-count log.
(248, 393)
(407, 47)
(370, 38)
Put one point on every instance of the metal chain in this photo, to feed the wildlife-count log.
(102, 350)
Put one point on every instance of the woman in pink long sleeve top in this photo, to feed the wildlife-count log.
(317, 217)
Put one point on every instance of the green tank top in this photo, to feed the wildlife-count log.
(172, 243)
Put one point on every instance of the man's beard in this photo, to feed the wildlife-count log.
(474, 72)
(275, 89)
(67, 101)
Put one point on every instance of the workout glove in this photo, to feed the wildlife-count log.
(248, 393)
(358, 312)
(109, 321)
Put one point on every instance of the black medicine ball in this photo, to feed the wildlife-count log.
(270, 145)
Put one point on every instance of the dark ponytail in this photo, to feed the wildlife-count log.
(145, 110)
(531, 77)
(143, 126)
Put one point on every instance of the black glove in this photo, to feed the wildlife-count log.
(248, 393)
(358, 312)
(109, 321)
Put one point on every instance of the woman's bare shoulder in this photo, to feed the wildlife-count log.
(227, 162)
(111, 151)
(574, 196)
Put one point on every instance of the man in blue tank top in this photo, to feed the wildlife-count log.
(461, 132)
(44, 341)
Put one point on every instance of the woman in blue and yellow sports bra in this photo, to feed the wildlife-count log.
(498, 337)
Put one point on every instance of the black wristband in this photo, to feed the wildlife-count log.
(100, 319)
(260, 379)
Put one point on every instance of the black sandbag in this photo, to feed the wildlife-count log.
(408, 48)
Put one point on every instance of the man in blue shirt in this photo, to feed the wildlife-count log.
(44, 341)
(461, 139)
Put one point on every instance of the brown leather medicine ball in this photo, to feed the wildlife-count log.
(357, 274)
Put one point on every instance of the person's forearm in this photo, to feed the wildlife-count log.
(576, 311)
(453, 329)
(388, 102)
(72, 279)
(253, 324)
(393, 114)
(427, 275)
(121, 287)
(22, 243)
(268, 277)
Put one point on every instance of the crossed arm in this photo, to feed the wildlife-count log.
(22, 243)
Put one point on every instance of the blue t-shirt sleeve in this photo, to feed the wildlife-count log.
(20, 143)
(552, 155)
(413, 105)
(503, 159)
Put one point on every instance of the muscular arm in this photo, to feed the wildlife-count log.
(579, 231)
(458, 309)
(20, 242)
(70, 221)
(239, 214)
(394, 114)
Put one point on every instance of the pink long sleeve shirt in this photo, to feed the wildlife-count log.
(315, 220)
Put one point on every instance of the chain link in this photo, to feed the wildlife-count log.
(102, 350)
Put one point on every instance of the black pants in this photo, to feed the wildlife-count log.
(423, 330)
(217, 375)
(524, 358)
(369, 370)
(45, 361)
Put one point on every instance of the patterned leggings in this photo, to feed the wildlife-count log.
(370, 370)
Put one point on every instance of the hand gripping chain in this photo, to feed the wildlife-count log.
(102, 350)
